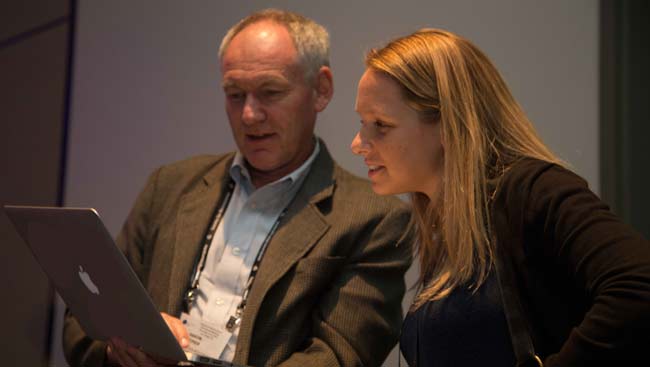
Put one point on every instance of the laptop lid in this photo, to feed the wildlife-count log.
(93, 277)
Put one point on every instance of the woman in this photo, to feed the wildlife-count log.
(519, 261)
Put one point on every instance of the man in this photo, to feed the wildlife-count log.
(303, 265)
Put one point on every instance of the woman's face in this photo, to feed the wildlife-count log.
(402, 152)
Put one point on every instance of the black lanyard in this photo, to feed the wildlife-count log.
(190, 294)
(234, 320)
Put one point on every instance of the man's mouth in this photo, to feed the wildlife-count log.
(259, 137)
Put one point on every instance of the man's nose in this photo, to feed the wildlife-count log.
(253, 111)
(359, 145)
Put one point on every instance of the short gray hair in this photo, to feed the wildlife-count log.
(311, 39)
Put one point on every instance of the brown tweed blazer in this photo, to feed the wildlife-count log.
(329, 288)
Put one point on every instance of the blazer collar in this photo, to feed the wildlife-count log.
(195, 212)
(299, 231)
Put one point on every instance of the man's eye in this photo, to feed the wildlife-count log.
(272, 92)
(235, 96)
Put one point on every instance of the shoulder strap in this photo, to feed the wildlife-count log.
(522, 343)
(507, 221)
(517, 324)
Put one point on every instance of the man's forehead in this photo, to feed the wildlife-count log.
(251, 79)
(266, 41)
(262, 52)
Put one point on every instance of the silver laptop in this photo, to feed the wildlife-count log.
(93, 277)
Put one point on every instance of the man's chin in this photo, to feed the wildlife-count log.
(261, 165)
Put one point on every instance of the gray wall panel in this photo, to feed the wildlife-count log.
(21, 16)
(32, 80)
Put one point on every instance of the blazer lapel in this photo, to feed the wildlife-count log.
(300, 230)
(195, 212)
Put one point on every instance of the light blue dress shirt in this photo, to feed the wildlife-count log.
(246, 222)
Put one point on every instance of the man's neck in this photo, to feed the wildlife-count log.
(261, 178)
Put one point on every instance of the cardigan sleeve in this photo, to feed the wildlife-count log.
(601, 256)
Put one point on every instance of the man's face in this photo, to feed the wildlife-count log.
(271, 107)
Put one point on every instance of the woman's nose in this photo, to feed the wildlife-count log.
(359, 146)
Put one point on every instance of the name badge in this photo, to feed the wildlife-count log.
(207, 339)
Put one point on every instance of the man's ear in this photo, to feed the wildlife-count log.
(324, 88)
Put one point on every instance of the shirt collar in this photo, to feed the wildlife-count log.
(240, 174)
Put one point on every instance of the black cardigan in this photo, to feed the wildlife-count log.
(582, 274)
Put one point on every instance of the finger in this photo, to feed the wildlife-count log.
(114, 353)
(111, 358)
(140, 357)
(161, 361)
(178, 329)
(181, 333)
(169, 320)
(132, 356)
(119, 348)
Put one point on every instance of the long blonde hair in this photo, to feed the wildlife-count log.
(484, 131)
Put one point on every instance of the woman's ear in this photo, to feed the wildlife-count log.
(324, 87)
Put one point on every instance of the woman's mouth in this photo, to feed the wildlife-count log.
(374, 170)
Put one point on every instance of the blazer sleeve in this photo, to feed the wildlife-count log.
(357, 321)
(80, 349)
(603, 257)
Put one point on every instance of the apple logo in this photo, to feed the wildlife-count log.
(85, 278)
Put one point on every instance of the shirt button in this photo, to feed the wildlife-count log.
(236, 251)
(219, 302)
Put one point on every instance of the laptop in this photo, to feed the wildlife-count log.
(93, 277)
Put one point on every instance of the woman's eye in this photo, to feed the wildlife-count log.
(377, 126)
(381, 125)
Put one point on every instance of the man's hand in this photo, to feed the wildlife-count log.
(178, 329)
(119, 353)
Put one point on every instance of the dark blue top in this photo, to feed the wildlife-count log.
(463, 329)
